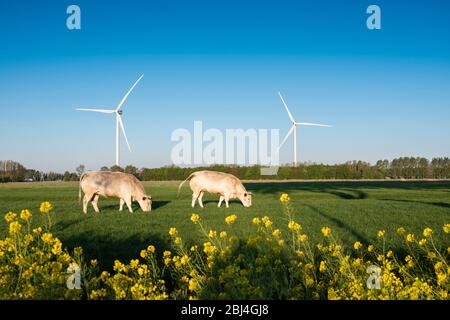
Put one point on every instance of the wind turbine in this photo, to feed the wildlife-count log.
(294, 129)
(119, 123)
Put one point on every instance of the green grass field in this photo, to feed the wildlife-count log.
(354, 210)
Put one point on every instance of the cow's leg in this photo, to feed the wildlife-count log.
(94, 203)
(121, 204)
(86, 199)
(194, 198)
(227, 198)
(129, 204)
(220, 201)
(200, 197)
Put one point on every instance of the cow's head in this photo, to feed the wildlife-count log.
(146, 203)
(246, 199)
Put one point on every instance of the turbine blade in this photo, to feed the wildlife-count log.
(128, 93)
(287, 109)
(123, 130)
(97, 110)
(312, 124)
(286, 137)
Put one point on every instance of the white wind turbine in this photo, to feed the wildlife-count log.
(294, 129)
(119, 123)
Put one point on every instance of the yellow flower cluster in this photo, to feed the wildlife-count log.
(284, 198)
(231, 219)
(268, 264)
(45, 207)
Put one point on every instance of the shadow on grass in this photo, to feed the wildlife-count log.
(320, 186)
(279, 187)
(136, 208)
(437, 204)
(159, 204)
(107, 250)
(341, 224)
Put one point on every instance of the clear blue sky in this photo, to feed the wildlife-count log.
(386, 92)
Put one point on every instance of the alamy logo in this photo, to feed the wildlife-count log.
(374, 20)
(235, 146)
(74, 279)
(73, 21)
(374, 280)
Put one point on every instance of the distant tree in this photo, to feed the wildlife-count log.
(80, 170)
(104, 168)
(67, 176)
(12, 171)
(115, 168)
(131, 170)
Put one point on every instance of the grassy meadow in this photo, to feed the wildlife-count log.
(355, 210)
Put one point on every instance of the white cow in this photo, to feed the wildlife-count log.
(224, 184)
(124, 186)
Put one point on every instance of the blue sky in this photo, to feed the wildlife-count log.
(386, 92)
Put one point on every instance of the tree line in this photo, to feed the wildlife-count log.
(399, 168)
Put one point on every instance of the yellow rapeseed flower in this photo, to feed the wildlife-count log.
(446, 228)
(167, 253)
(193, 285)
(427, 232)
(143, 254)
(381, 234)
(276, 233)
(177, 240)
(231, 219)
(25, 214)
(256, 221)
(212, 233)
(14, 227)
(194, 248)
(302, 237)
(323, 266)
(56, 250)
(267, 222)
(410, 237)
(195, 218)
(370, 248)
(151, 249)
(357, 245)
(326, 231)
(223, 234)
(401, 231)
(45, 207)
(10, 216)
(172, 231)
(422, 242)
(294, 226)
(184, 259)
(284, 198)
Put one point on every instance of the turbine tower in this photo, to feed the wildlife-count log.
(119, 123)
(293, 129)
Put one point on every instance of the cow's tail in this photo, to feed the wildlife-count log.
(79, 186)
(181, 184)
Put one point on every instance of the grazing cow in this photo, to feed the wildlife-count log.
(224, 184)
(124, 186)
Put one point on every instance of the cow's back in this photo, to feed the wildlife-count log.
(215, 182)
(106, 183)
